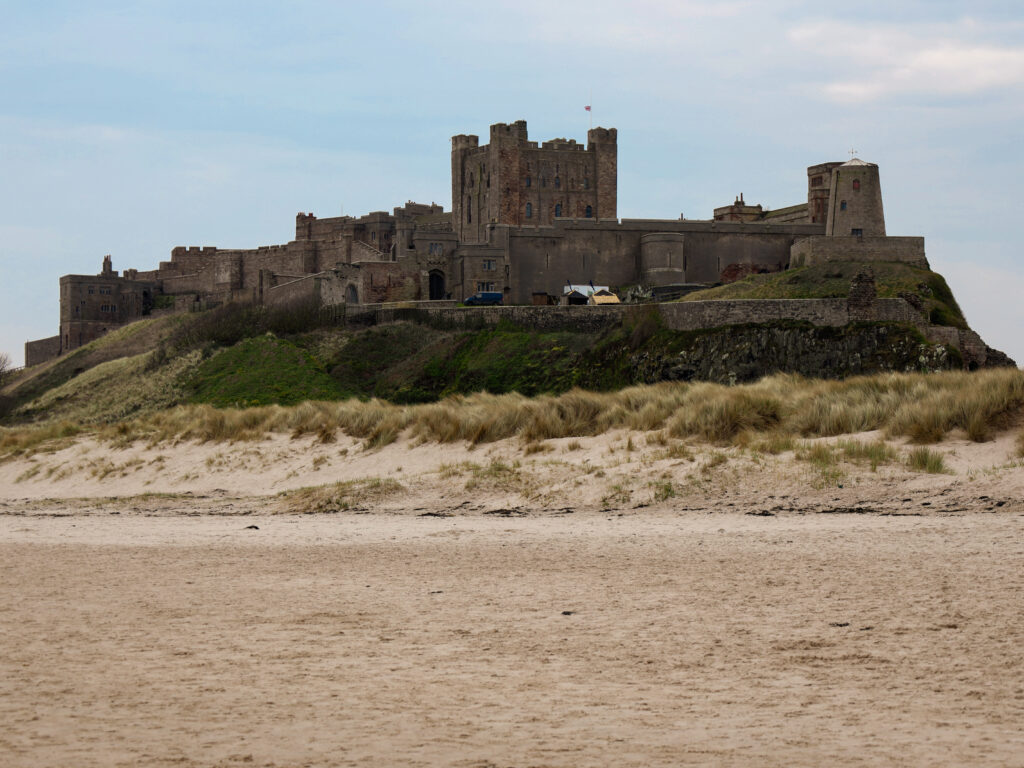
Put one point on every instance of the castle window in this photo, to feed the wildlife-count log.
(469, 210)
(373, 236)
(590, 212)
(558, 183)
(558, 209)
(857, 232)
(485, 286)
(488, 181)
(488, 265)
(586, 183)
(816, 181)
(529, 210)
(90, 290)
(529, 181)
(856, 183)
(842, 205)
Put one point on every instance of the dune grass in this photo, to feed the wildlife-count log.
(924, 459)
(340, 497)
(921, 407)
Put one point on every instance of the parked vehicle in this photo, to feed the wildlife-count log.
(483, 298)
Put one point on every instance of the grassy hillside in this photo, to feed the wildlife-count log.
(832, 280)
(240, 355)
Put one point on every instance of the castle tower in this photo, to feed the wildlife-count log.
(819, 181)
(855, 201)
(512, 180)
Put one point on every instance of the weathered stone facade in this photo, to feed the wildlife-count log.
(526, 219)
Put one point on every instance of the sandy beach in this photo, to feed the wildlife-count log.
(470, 619)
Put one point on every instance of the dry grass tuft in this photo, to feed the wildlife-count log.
(874, 453)
(338, 497)
(924, 459)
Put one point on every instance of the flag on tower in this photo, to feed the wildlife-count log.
(587, 107)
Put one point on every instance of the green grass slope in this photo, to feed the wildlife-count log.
(260, 371)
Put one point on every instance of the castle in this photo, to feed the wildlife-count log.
(526, 219)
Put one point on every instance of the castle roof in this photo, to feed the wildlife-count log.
(857, 161)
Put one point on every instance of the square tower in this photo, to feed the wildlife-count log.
(513, 180)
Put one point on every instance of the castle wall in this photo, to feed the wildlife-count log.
(41, 350)
(678, 316)
(301, 290)
(543, 259)
(819, 250)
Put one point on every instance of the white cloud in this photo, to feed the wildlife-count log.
(875, 62)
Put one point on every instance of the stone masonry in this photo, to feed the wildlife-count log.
(527, 218)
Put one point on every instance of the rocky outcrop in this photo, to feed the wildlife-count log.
(746, 353)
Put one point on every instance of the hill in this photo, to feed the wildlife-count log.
(244, 355)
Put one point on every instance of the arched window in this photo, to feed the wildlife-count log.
(529, 210)
(558, 209)
(590, 212)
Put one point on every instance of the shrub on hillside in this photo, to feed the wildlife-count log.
(230, 323)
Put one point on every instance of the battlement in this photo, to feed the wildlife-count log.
(192, 250)
(464, 141)
(563, 144)
(602, 136)
(504, 131)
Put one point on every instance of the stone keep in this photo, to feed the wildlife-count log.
(515, 181)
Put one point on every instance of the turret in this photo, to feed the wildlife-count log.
(604, 143)
(855, 201)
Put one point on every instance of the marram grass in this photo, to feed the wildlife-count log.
(777, 409)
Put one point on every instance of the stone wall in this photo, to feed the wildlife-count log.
(294, 291)
(542, 259)
(809, 251)
(677, 316)
(41, 350)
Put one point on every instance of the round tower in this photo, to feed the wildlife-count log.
(855, 201)
(662, 258)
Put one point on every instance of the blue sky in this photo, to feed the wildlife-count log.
(131, 127)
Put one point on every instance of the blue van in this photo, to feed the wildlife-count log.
(483, 298)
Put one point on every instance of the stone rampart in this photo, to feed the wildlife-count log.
(678, 316)
(41, 350)
(809, 251)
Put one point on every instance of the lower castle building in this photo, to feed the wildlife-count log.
(526, 219)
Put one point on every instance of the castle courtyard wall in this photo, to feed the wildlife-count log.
(819, 250)
(543, 259)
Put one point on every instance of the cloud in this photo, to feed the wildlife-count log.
(882, 61)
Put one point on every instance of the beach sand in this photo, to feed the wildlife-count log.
(754, 617)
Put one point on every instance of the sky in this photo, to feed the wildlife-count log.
(131, 127)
